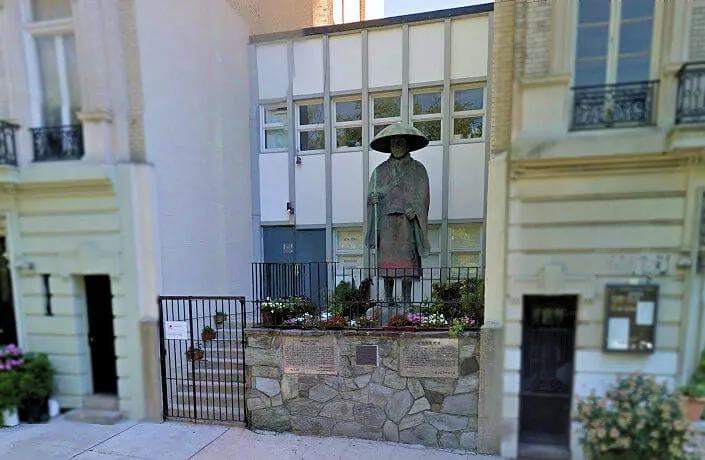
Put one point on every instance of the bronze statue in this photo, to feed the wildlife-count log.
(397, 209)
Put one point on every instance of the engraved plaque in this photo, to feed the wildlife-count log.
(429, 358)
(310, 355)
(366, 355)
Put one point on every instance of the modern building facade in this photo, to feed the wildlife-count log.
(595, 189)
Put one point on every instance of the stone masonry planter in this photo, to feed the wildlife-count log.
(374, 402)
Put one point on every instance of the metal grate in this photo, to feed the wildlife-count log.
(203, 377)
(8, 146)
(691, 93)
(614, 106)
(58, 143)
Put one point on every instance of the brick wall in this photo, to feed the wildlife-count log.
(697, 33)
(538, 37)
(268, 16)
(502, 68)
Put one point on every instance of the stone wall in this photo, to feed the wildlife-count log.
(371, 402)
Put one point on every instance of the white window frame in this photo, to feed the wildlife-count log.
(302, 128)
(345, 124)
(613, 42)
(435, 250)
(428, 116)
(348, 252)
(267, 126)
(31, 31)
(476, 250)
(382, 121)
(468, 113)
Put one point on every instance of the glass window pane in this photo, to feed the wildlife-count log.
(51, 92)
(432, 129)
(387, 107)
(465, 259)
(432, 261)
(275, 115)
(349, 239)
(276, 138)
(590, 72)
(348, 137)
(427, 103)
(592, 42)
(468, 99)
(465, 236)
(348, 111)
(635, 37)
(46, 10)
(633, 68)
(311, 114)
(594, 11)
(312, 140)
(349, 264)
(72, 75)
(379, 128)
(434, 237)
(637, 9)
(467, 128)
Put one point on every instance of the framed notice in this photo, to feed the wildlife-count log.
(630, 318)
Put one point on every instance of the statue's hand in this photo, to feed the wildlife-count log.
(410, 213)
(374, 198)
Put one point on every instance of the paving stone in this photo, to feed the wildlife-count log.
(445, 386)
(369, 414)
(273, 372)
(303, 406)
(434, 397)
(362, 395)
(415, 388)
(363, 380)
(467, 384)
(378, 374)
(334, 381)
(411, 421)
(308, 381)
(273, 419)
(268, 386)
(463, 404)
(468, 441)
(424, 434)
(448, 441)
(469, 366)
(322, 393)
(259, 342)
(468, 350)
(262, 357)
(338, 410)
(446, 422)
(391, 431)
(394, 380)
(379, 394)
(289, 387)
(311, 425)
(355, 430)
(420, 405)
(398, 406)
(277, 400)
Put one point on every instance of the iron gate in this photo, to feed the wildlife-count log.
(203, 358)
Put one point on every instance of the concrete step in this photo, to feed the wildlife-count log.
(207, 398)
(234, 374)
(206, 412)
(217, 363)
(96, 416)
(208, 386)
(219, 352)
(101, 402)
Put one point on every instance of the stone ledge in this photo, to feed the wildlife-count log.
(268, 331)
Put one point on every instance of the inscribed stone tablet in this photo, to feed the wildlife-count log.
(429, 358)
(366, 355)
(310, 355)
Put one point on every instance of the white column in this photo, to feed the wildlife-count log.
(496, 237)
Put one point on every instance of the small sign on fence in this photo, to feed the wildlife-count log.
(176, 330)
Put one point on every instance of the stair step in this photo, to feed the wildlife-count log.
(208, 386)
(210, 374)
(206, 412)
(101, 402)
(96, 416)
(223, 364)
(220, 400)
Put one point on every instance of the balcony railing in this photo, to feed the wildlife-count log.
(8, 146)
(614, 106)
(58, 143)
(691, 93)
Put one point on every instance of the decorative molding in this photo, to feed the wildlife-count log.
(554, 79)
(95, 116)
(552, 279)
(87, 259)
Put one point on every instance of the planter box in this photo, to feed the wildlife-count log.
(10, 417)
(692, 408)
(206, 336)
(34, 410)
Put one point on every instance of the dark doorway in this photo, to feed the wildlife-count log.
(101, 334)
(8, 326)
(548, 349)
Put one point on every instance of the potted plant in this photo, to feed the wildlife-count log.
(220, 317)
(274, 312)
(365, 322)
(208, 333)
(334, 322)
(195, 353)
(636, 419)
(693, 400)
(397, 322)
(35, 383)
(11, 357)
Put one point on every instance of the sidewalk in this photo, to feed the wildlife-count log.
(61, 440)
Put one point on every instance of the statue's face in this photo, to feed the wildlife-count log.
(398, 147)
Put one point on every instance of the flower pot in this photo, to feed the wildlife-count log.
(206, 336)
(219, 319)
(692, 408)
(196, 356)
(10, 417)
(34, 410)
(271, 319)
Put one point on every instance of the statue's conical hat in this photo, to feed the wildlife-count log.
(415, 139)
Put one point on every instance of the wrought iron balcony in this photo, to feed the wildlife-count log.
(8, 146)
(614, 106)
(58, 143)
(691, 93)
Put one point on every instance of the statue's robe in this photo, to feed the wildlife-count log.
(401, 241)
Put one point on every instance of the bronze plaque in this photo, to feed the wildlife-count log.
(429, 358)
(310, 355)
(366, 355)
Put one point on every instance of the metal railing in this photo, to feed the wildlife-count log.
(58, 143)
(8, 145)
(690, 106)
(614, 106)
(287, 293)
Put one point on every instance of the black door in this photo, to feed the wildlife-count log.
(8, 327)
(548, 348)
(101, 335)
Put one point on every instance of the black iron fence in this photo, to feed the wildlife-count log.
(58, 143)
(334, 295)
(203, 358)
(690, 106)
(614, 106)
(8, 146)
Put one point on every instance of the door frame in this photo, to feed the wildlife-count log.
(11, 232)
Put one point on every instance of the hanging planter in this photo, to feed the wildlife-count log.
(195, 353)
(208, 333)
(220, 317)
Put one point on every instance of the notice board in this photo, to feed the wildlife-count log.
(630, 318)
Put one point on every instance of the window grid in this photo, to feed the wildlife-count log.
(473, 115)
(379, 123)
(458, 251)
(430, 123)
(351, 128)
(303, 130)
(272, 126)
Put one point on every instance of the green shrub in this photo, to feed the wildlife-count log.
(36, 377)
(696, 386)
(459, 299)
